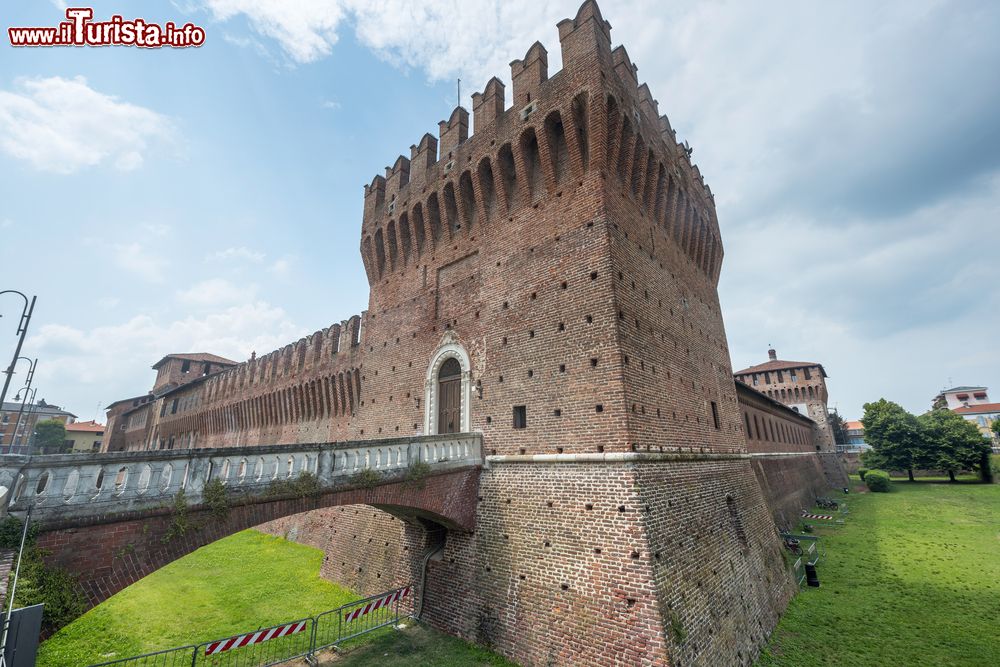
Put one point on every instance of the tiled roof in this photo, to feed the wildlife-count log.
(86, 427)
(978, 409)
(954, 389)
(127, 400)
(196, 356)
(780, 365)
(46, 410)
(854, 426)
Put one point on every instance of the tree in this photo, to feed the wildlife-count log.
(996, 426)
(953, 443)
(894, 436)
(50, 436)
(837, 424)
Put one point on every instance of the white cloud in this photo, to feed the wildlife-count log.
(156, 229)
(63, 125)
(216, 292)
(105, 363)
(236, 253)
(331, 104)
(138, 260)
(280, 267)
(476, 38)
(306, 30)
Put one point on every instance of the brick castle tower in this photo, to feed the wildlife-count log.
(551, 281)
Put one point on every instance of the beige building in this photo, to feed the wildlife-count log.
(84, 436)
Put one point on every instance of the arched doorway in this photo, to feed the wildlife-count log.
(448, 388)
(449, 417)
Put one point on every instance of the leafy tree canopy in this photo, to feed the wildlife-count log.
(50, 436)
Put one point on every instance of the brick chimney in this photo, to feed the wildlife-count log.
(772, 355)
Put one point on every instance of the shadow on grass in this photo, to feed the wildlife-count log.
(912, 579)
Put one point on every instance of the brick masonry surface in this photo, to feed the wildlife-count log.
(568, 252)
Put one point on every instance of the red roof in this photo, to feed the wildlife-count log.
(978, 409)
(854, 426)
(86, 427)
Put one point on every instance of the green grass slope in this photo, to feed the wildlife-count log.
(913, 578)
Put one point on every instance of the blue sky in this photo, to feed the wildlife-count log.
(210, 199)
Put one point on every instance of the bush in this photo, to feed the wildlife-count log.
(40, 583)
(215, 496)
(878, 481)
(862, 472)
(306, 484)
(416, 475)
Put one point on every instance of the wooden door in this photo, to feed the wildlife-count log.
(450, 397)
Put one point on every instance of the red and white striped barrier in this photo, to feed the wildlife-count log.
(821, 517)
(383, 601)
(255, 637)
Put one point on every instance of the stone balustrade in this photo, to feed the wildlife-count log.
(66, 486)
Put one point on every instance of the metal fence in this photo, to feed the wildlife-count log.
(277, 644)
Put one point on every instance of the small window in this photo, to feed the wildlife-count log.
(173, 407)
(806, 373)
(767, 378)
(781, 376)
(520, 416)
(756, 379)
(185, 366)
(715, 415)
(793, 376)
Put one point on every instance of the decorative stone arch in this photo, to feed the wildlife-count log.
(449, 348)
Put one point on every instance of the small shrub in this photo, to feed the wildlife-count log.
(416, 475)
(878, 481)
(41, 583)
(367, 478)
(862, 472)
(677, 628)
(179, 523)
(306, 484)
(215, 496)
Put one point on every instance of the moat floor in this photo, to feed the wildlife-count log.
(237, 584)
(913, 578)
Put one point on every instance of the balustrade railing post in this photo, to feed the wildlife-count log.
(194, 657)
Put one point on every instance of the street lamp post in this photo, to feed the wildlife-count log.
(22, 329)
(27, 391)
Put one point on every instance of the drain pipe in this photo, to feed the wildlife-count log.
(433, 551)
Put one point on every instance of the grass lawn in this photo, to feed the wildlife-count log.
(237, 584)
(240, 583)
(417, 644)
(913, 578)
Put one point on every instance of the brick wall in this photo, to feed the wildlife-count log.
(572, 250)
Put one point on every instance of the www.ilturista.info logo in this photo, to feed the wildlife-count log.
(80, 30)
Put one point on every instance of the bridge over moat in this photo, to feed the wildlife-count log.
(111, 519)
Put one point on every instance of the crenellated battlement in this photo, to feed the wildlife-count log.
(328, 349)
(591, 115)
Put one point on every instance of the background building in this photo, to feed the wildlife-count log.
(84, 436)
(801, 385)
(31, 415)
(960, 397)
(855, 433)
(973, 403)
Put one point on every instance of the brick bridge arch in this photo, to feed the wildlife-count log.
(115, 541)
